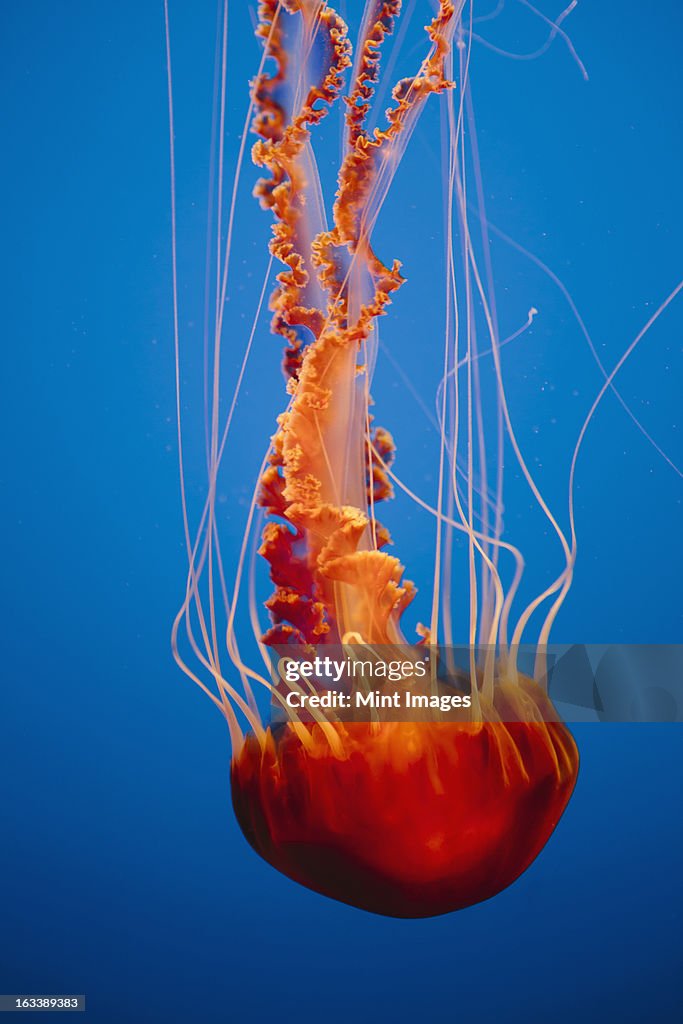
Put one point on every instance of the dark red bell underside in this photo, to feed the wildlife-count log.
(414, 819)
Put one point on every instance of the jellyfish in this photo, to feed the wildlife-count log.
(407, 818)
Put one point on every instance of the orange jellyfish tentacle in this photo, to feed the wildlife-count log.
(406, 818)
(280, 151)
(379, 24)
(318, 466)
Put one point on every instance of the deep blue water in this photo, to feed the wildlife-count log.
(122, 872)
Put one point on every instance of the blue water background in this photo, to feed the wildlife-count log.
(122, 872)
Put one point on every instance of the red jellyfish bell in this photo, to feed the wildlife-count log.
(408, 819)
(404, 818)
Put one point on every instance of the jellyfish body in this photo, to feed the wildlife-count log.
(410, 818)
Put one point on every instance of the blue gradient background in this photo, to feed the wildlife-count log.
(122, 872)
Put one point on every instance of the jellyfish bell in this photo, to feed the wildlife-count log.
(424, 815)
(410, 821)
(407, 819)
